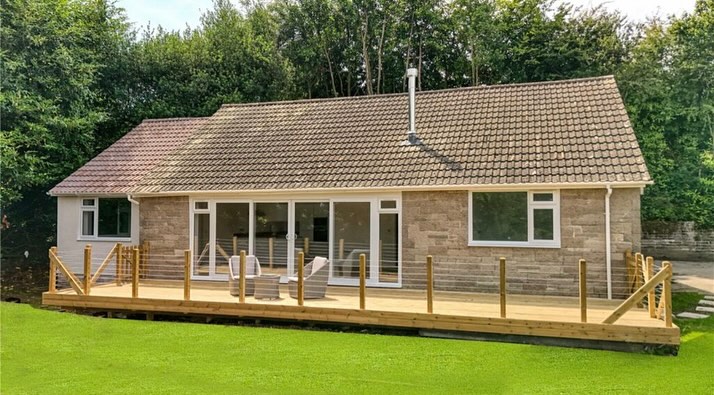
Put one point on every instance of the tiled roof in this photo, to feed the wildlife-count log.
(121, 166)
(573, 131)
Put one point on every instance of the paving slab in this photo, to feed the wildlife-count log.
(705, 309)
(705, 302)
(687, 314)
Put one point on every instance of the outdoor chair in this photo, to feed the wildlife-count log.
(252, 270)
(315, 280)
(349, 266)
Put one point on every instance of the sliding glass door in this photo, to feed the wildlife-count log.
(277, 231)
(352, 238)
(232, 233)
(271, 237)
(311, 228)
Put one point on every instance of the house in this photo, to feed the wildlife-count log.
(543, 174)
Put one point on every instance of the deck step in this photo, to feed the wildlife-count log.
(705, 309)
(705, 302)
(687, 314)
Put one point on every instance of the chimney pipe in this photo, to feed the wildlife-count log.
(411, 133)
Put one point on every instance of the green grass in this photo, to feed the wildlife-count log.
(46, 352)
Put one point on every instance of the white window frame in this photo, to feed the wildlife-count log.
(95, 209)
(531, 243)
(375, 211)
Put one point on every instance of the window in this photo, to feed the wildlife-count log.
(387, 204)
(106, 217)
(517, 219)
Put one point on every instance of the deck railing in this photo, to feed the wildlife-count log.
(131, 264)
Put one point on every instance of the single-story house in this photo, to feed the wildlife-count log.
(543, 174)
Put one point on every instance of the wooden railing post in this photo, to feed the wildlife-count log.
(502, 285)
(145, 256)
(235, 245)
(667, 294)
(639, 261)
(341, 249)
(583, 291)
(241, 279)
(429, 284)
(187, 275)
(120, 258)
(301, 278)
(53, 271)
(135, 273)
(306, 245)
(270, 252)
(87, 281)
(630, 266)
(362, 280)
(651, 294)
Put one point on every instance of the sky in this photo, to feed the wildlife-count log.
(176, 14)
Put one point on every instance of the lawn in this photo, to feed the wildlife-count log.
(47, 352)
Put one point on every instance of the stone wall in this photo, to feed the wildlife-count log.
(165, 225)
(436, 223)
(678, 241)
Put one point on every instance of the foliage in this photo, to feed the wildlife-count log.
(49, 352)
(667, 87)
(76, 76)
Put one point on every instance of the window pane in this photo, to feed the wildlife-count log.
(88, 202)
(87, 223)
(114, 218)
(542, 197)
(312, 222)
(388, 248)
(270, 242)
(201, 245)
(543, 224)
(500, 216)
(387, 204)
(201, 205)
(352, 233)
(232, 232)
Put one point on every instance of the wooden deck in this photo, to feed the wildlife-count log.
(532, 316)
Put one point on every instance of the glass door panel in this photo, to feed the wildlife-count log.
(388, 248)
(352, 238)
(201, 244)
(232, 233)
(311, 230)
(270, 241)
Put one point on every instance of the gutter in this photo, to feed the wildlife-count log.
(132, 200)
(463, 187)
(608, 257)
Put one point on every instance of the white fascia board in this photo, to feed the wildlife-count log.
(492, 187)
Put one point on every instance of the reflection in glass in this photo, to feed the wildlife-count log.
(201, 244)
(312, 229)
(352, 233)
(388, 248)
(500, 216)
(232, 231)
(271, 245)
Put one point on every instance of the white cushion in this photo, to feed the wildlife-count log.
(318, 263)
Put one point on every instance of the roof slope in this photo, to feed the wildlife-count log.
(121, 166)
(572, 131)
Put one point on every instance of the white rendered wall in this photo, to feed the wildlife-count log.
(70, 245)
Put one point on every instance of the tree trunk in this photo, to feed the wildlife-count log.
(332, 74)
(421, 44)
(379, 54)
(365, 56)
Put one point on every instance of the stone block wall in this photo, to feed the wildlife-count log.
(436, 223)
(164, 224)
(678, 241)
